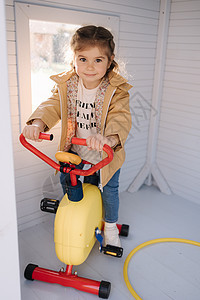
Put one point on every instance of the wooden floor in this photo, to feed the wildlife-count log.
(158, 272)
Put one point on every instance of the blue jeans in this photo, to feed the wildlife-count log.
(110, 197)
(110, 194)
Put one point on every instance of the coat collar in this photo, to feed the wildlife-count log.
(115, 79)
(62, 77)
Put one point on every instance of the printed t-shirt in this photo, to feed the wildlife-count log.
(86, 121)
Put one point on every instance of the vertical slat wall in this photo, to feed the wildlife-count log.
(137, 46)
(179, 138)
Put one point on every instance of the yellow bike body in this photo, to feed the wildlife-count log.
(75, 224)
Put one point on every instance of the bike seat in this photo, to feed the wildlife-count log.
(67, 157)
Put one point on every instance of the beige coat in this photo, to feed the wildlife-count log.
(115, 119)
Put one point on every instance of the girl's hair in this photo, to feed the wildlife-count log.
(95, 36)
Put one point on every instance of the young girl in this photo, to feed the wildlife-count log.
(92, 102)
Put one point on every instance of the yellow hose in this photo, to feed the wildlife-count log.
(151, 242)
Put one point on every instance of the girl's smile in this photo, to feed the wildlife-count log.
(91, 65)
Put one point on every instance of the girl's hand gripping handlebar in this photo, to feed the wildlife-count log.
(57, 167)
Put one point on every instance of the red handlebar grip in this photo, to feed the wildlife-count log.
(78, 141)
(46, 136)
(82, 142)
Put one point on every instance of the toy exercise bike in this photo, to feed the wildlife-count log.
(78, 222)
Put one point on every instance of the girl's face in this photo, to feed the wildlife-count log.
(91, 65)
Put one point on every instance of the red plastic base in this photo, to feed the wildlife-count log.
(67, 279)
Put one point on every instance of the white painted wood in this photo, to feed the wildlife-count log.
(178, 153)
(23, 64)
(137, 36)
(185, 6)
(157, 92)
(134, 27)
(9, 12)
(150, 164)
(8, 2)
(12, 59)
(139, 19)
(183, 16)
(9, 255)
(151, 4)
(101, 7)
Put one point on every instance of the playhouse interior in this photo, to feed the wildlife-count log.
(158, 49)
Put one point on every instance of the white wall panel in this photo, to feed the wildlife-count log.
(179, 138)
(9, 258)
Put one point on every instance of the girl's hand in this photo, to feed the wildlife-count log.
(32, 131)
(96, 142)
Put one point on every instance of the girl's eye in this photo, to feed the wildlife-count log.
(98, 60)
(82, 59)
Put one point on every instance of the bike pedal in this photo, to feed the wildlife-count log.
(49, 205)
(112, 250)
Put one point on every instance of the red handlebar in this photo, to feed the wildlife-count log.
(46, 136)
(56, 166)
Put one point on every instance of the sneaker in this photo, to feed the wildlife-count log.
(111, 234)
